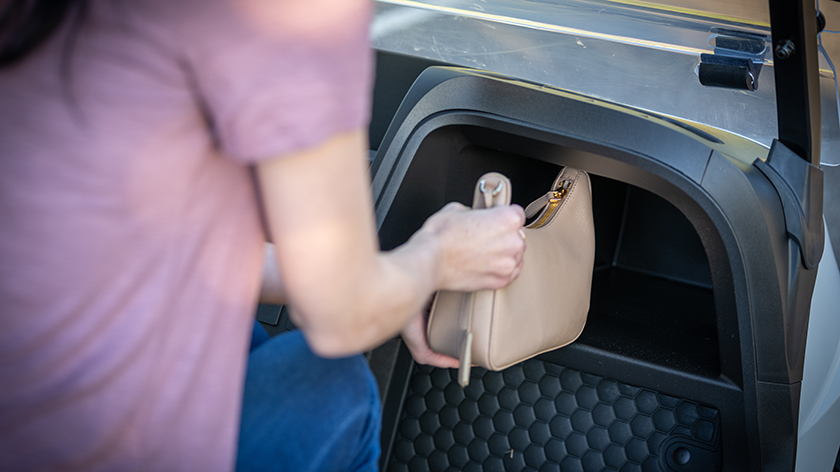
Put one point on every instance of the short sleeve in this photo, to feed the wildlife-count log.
(278, 76)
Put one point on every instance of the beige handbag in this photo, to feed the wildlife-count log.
(546, 306)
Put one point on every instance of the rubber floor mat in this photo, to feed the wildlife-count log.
(538, 416)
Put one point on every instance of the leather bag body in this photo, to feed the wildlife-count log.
(545, 308)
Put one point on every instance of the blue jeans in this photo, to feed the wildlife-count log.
(304, 413)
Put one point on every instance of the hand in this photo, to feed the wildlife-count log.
(477, 249)
(414, 336)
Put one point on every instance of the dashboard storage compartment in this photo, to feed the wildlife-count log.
(696, 312)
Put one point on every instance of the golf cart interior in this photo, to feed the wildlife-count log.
(707, 243)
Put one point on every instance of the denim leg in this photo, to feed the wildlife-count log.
(304, 413)
(258, 336)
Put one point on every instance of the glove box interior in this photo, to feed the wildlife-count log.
(654, 324)
(652, 299)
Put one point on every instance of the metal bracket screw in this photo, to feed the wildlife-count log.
(785, 49)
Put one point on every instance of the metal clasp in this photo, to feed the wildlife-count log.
(496, 191)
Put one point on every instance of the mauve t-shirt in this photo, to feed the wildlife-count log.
(130, 236)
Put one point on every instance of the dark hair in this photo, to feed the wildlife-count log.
(25, 24)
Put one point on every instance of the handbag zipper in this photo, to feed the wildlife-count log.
(553, 203)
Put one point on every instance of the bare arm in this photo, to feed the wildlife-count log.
(413, 333)
(346, 295)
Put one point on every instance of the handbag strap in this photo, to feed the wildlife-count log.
(465, 358)
(490, 195)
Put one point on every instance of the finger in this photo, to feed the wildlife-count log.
(439, 360)
(504, 278)
(520, 212)
(513, 216)
(514, 249)
(503, 218)
(520, 256)
(424, 355)
(518, 270)
(521, 243)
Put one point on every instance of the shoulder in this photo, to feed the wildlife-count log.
(277, 20)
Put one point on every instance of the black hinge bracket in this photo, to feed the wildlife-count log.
(736, 62)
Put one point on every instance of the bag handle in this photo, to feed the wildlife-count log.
(493, 189)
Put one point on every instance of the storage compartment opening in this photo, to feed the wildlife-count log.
(652, 297)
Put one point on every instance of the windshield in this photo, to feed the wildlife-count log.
(642, 54)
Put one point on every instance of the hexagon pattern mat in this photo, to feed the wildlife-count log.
(538, 416)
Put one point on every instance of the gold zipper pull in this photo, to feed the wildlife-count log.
(561, 191)
(551, 204)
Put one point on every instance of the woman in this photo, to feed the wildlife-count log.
(141, 145)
